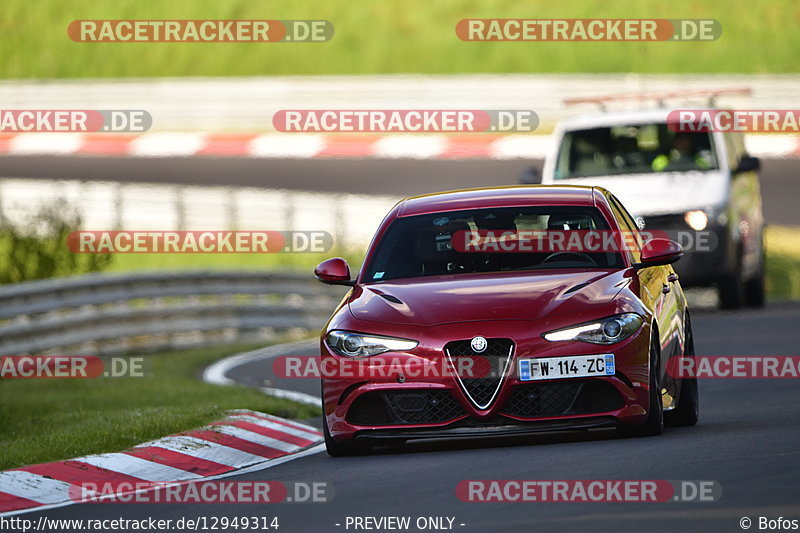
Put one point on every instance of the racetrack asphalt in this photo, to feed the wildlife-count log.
(747, 441)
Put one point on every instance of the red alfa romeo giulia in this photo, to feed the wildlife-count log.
(502, 311)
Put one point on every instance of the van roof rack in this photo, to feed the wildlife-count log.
(660, 98)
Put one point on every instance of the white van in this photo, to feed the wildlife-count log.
(701, 187)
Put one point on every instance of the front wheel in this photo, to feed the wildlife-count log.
(341, 449)
(687, 411)
(654, 425)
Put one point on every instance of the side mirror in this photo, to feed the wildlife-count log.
(334, 271)
(657, 252)
(748, 164)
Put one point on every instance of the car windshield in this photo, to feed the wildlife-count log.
(634, 149)
(430, 245)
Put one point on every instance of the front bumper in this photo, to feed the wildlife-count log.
(396, 404)
(453, 431)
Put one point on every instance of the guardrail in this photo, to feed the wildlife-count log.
(98, 314)
(103, 205)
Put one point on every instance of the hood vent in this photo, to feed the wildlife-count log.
(390, 298)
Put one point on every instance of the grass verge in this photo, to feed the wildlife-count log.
(414, 36)
(55, 419)
(783, 263)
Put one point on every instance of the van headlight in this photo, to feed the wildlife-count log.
(697, 220)
(604, 331)
(349, 344)
(700, 219)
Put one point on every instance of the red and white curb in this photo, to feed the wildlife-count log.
(243, 440)
(312, 145)
(277, 145)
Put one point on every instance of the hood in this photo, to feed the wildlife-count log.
(662, 193)
(438, 300)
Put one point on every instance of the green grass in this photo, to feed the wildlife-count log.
(53, 419)
(411, 36)
(783, 263)
(298, 262)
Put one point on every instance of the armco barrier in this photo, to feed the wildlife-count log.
(98, 314)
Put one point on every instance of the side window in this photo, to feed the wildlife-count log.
(628, 225)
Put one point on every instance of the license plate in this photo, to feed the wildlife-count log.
(579, 366)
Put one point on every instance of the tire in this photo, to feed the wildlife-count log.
(687, 412)
(654, 425)
(341, 449)
(754, 289)
(731, 288)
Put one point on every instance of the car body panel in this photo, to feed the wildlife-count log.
(435, 300)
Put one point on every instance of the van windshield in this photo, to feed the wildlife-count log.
(633, 149)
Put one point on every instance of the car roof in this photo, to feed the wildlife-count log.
(621, 118)
(487, 197)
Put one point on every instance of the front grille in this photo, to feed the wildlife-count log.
(535, 400)
(382, 408)
(541, 399)
(488, 369)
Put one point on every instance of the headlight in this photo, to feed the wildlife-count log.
(697, 220)
(349, 344)
(606, 331)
